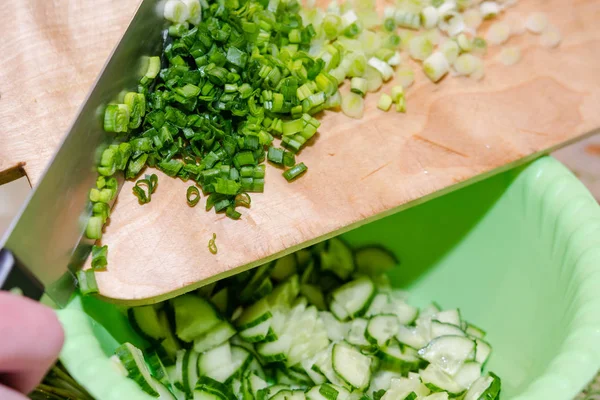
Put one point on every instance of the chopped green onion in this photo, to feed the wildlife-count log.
(407, 19)
(212, 245)
(498, 33)
(150, 181)
(489, 9)
(436, 66)
(176, 11)
(295, 172)
(116, 118)
(275, 155)
(464, 42)
(537, 22)
(99, 254)
(385, 102)
(192, 195)
(429, 17)
(86, 280)
(384, 68)
(405, 77)
(420, 47)
(353, 105)
(509, 55)
(465, 64)
(136, 103)
(450, 49)
(152, 70)
(374, 80)
(359, 86)
(242, 200)
(93, 229)
(289, 159)
(397, 93)
(479, 45)
(551, 37)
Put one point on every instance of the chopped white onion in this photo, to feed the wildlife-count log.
(472, 18)
(396, 59)
(436, 66)
(405, 77)
(489, 9)
(450, 49)
(537, 22)
(466, 64)
(420, 47)
(349, 18)
(551, 37)
(452, 23)
(176, 11)
(195, 11)
(429, 17)
(479, 71)
(498, 33)
(510, 55)
(384, 68)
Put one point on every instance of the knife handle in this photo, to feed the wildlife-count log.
(14, 275)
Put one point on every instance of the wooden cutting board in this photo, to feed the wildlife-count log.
(454, 133)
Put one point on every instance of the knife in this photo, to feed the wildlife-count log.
(45, 244)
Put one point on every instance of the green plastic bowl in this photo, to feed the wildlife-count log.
(518, 253)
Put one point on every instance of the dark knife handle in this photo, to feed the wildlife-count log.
(13, 275)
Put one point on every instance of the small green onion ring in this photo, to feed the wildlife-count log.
(212, 246)
(243, 199)
(193, 196)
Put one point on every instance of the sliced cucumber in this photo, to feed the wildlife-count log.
(213, 361)
(411, 336)
(406, 388)
(265, 287)
(351, 365)
(194, 316)
(254, 315)
(314, 294)
(145, 321)
(474, 331)
(163, 392)
(437, 396)
(156, 366)
(437, 380)
(467, 374)
(395, 358)
(256, 333)
(221, 299)
(258, 277)
(482, 351)
(379, 305)
(337, 258)
(381, 329)
(336, 330)
(382, 380)
(484, 388)
(449, 317)
(216, 336)
(443, 329)
(170, 345)
(284, 267)
(448, 352)
(374, 260)
(357, 332)
(190, 370)
(352, 299)
(132, 360)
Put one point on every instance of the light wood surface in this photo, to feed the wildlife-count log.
(454, 133)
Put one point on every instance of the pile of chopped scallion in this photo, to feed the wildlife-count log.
(240, 82)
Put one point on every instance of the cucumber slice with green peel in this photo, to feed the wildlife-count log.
(467, 374)
(256, 333)
(485, 388)
(357, 332)
(284, 267)
(315, 376)
(381, 329)
(209, 389)
(411, 336)
(254, 315)
(474, 331)
(289, 395)
(448, 352)
(443, 329)
(437, 381)
(285, 293)
(338, 258)
(314, 295)
(256, 383)
(449, 317)
(259, 274)
(194, 316)
(190, 370)
(483, 351)
(323, 364)
(216, 336)
(398, 359)
(378, 305)
(145, 321)
(133, 361)
(406, 388)
(374, 260)
(170, 345)
(352, 299)
(163, 392)
(214, 360)
(156, 366)
(221, 299)
(322, 392)
(351, 365)
(265, 287)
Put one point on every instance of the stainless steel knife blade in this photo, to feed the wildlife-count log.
(48, 235)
